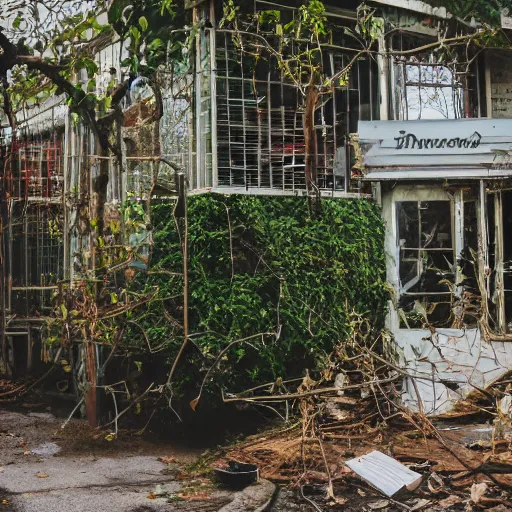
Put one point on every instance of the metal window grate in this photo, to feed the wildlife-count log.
(33, 167)
(260, 121)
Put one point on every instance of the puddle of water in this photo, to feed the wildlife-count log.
(46, 449)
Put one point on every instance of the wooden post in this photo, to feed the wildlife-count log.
(181, 211)
(90, 372)
(488, 86)
(3, 279)
(498, 265)
(383, 66)
(183, 197)
(459, 238)
(483, 254)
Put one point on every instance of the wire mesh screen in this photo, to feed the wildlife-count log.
(33, 167)
(36, 256)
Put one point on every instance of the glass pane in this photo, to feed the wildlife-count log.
(432, 103)
(423, 270)
(432, 92)
(429, 74)
(409, 261)
(408, 224)
(436, 224)
(434, 272)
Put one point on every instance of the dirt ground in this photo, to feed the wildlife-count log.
(30, 429)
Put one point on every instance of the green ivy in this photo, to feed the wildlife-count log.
(284, 272)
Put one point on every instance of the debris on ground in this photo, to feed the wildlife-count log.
(460, 462)
(384, 473)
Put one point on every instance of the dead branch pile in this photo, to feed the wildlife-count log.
(355, 409)
(11, 391)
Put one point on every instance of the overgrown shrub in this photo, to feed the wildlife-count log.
(264, 265)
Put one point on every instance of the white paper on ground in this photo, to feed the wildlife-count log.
(384, 473)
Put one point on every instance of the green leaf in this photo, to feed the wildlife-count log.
(143, 22)
(115, 11)
(17, 22)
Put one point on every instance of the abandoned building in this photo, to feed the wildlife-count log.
(429, 139)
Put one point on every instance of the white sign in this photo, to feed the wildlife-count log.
(447, 143)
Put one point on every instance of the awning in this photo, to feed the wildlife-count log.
(436, 173)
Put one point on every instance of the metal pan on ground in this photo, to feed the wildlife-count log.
(237, 475)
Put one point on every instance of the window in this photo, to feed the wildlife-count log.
(430, 91)
(426, 262)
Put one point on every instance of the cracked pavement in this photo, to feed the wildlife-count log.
(44, 468)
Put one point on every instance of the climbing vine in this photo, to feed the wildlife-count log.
(264, 265)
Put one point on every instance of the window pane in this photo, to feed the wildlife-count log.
(409, 261)
(426, 266)
(432, 272)
(429, 74)
(436, 225)
(432, 103)
(432, 92)
(408, 224)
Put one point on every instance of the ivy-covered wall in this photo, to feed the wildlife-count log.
(263, 264)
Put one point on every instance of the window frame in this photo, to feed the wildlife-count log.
(404, 84)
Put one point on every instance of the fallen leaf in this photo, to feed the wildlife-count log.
(477, 491)
(167, 460)
(27, 452)
(42, 475)
(151, 496)
(448, 502)
(378, 505)
(420, 504)
(434, 477)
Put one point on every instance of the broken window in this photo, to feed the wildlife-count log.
(507, 257)
(426, 262)
(499, 249)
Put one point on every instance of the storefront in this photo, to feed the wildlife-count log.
(446, 193)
